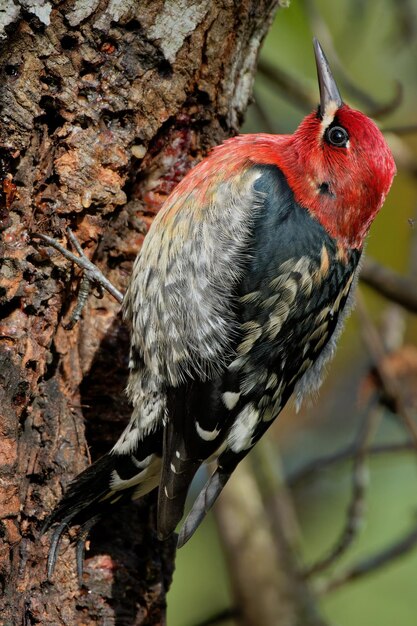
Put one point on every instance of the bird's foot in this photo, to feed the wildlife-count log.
(91, 274)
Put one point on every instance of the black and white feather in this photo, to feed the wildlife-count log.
(232, 308)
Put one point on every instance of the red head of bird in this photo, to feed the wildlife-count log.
(337, 163)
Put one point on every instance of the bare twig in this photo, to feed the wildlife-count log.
(370, 564)
(307, 472)
(390, 384)
(267, 587)
(390, 284)
(407, 129)
(412, 263)
(221, 617)
(273, 488)
(355, 509)
(319, 27)
(293, 89)
(391, 388)
(386, 108)
(406, 27)
(261, 112)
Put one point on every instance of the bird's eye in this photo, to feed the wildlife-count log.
(337, 136)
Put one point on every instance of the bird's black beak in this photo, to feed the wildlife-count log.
(330, 99)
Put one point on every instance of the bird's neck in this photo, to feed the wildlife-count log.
(345, 206)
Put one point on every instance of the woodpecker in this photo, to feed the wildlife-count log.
(236, 301)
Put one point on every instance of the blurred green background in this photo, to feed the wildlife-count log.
(376, 44)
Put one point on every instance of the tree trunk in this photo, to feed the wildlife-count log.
(260, 536)
(105, 106)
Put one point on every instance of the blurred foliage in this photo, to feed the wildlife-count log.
(376, 45)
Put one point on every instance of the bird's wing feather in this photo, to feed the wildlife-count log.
(291, 297)
(181, 306)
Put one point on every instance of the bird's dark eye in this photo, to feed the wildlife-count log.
(337, 136)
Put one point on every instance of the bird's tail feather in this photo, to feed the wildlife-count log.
(82, 495)
(83, 503)
(203, 503)
(112, 478)
(177, 473)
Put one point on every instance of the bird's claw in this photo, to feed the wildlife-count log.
(91, 274)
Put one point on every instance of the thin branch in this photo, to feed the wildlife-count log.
(262, 560)
(389, 382)
(321, 30)
(412, 263)
(386, 108)
(219, 618)
(307, 471)
(306, 99)
(370, 564)
(407, 129)
(294, 90)
(390, 284)
(261, 113)
(405, 31)
(355, 511)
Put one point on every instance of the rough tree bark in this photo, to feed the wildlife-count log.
(105, 106)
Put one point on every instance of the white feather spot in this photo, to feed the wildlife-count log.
(207, 435)
(142, 464)
(146, 478)
(230, 399)
(242, 430)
